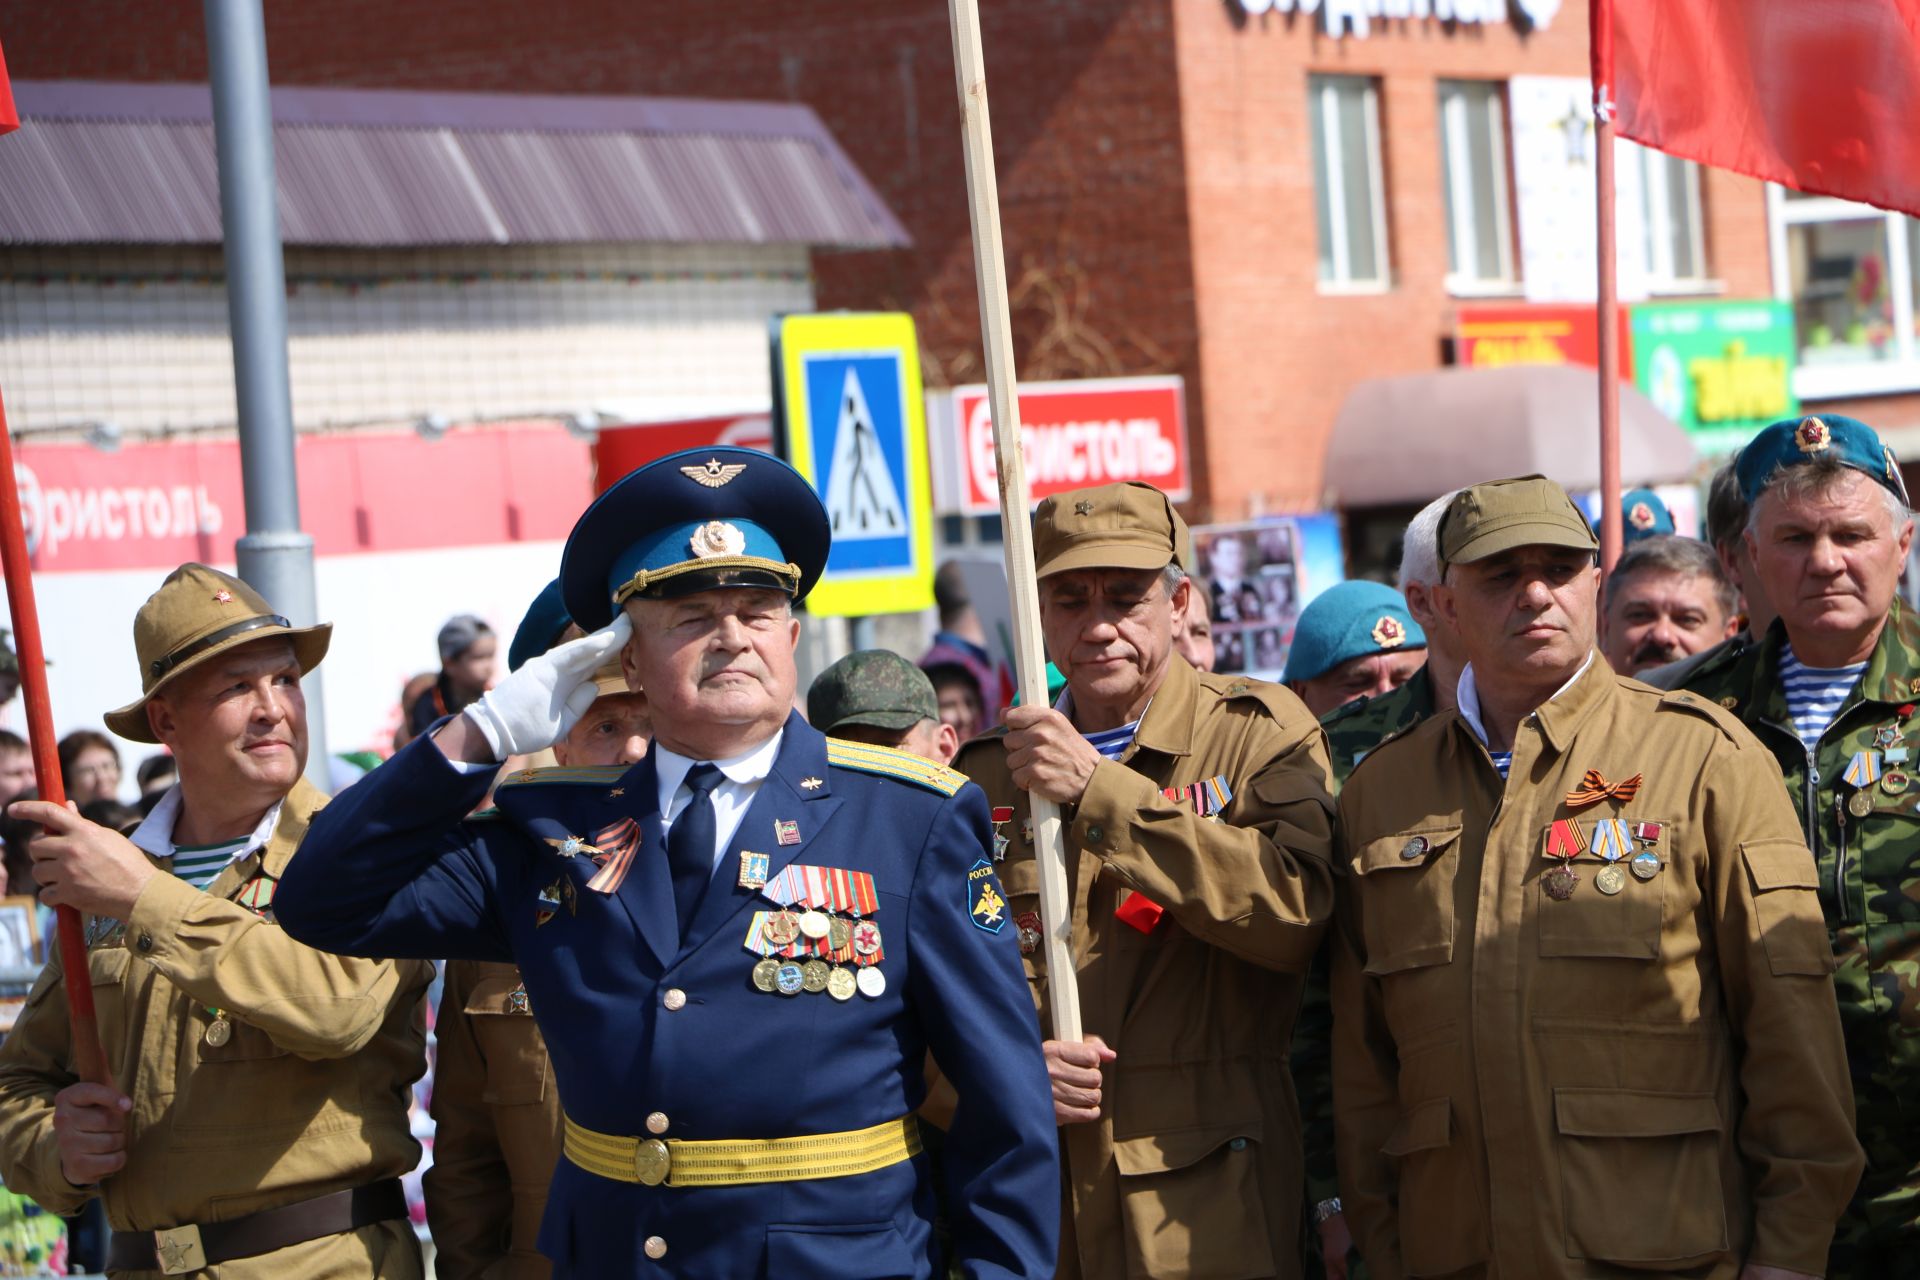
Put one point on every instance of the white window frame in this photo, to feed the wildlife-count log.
(1461, 196)
(1326, 85)
(1838, 381)
(1662, 279)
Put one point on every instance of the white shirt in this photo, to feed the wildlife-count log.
(742, 776)
(154, 836)
(1467, 695)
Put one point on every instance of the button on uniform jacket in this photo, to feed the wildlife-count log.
(1528, 1087)
(496, 1135)
(639, 1019)
(1194, 1166)
(308, 1096)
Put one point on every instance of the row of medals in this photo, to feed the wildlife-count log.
(789, 977)
(1610, 879)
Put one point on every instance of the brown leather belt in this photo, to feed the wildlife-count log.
(179, 1250)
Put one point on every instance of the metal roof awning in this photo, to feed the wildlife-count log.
(1409, 439)
(100, 163)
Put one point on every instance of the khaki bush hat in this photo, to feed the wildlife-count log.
(197, 614)
(1111, 526)
(1526, 511)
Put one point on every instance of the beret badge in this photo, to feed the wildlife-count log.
(1388, 633)
(1812, 436)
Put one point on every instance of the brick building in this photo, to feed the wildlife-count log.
(1272, 198)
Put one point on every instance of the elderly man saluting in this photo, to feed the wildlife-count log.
(741, 949)
(1830, 691)
(1198, 828)
(1583, 1012)
(263, 1128)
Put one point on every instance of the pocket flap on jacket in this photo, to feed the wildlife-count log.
(495, 995)
(1165, 1152)
(1422, 1127)
(1623, 1113)
(1403, 849)
(1779, 864)
(854, 1251)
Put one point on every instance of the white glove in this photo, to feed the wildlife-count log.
(536, 705)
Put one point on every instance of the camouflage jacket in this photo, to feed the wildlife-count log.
(1353, 730)
(1866, 842)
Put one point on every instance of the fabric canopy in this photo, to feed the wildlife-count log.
(1411, 438)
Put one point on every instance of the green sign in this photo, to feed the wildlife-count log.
(1722, 370)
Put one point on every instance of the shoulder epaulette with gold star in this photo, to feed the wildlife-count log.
(599, 776)
(895, 764)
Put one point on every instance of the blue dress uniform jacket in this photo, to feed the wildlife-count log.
(638, 1023)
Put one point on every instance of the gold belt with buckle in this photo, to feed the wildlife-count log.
(741, 1161)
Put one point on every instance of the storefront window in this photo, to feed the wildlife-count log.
(1850, 272)
(1349, 203)
(1473, 153)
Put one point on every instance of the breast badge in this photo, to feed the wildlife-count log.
(820, 937)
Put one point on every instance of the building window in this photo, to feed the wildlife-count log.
(1473, 154)
(1350, 210)
(1851, 272)
(1670, 212)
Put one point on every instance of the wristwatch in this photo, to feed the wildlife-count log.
(1328, 1208)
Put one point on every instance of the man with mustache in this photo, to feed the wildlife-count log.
(1583, 1012)
(1666, 598)
(1830, 690)
(259, 1126)
(1197, 824)
(741, 949)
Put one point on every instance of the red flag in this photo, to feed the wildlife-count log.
(1821, 95)
(9, 118)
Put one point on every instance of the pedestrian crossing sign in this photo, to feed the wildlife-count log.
(850, 416)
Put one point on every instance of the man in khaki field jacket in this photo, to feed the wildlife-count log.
(1584, 1013)
(262, 1130)
(1197, 860)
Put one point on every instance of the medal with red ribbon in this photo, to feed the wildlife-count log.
(834, 906)
(1564, 842)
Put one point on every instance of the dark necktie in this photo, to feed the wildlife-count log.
(690, 843)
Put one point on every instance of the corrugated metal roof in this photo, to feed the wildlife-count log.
(98, 163)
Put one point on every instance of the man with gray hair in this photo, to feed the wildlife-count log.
(1666, 598)
(1831, 692)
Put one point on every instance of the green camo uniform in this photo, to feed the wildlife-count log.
(1869, 869)
(1353, 730)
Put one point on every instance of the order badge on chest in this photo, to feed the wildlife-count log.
(820, 936)
(1623, 844)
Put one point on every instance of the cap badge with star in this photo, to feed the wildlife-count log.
(1388, 633)
(1813, 436)
(713, 473)
(716, 538)
(1641, 517)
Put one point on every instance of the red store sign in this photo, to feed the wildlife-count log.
(1096, 431)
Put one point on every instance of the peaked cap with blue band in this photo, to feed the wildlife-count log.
(1350, 620)
(1793, 442)
(695, 521)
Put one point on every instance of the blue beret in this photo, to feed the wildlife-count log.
(1794, 441)
(1643, 515)
(695, 521)
(1350, 620)
(546, 619)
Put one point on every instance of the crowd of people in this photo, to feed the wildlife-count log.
(1539, 922)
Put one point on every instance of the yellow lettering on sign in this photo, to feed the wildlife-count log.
(1497, 353)
(1739, 387)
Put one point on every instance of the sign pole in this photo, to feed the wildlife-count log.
(89, 1057)
(1601, 39)
(1029, 654)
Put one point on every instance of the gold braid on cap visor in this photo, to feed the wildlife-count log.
(787, 573)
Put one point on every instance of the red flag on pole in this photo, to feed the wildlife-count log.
(9, 117)
(1820, 95)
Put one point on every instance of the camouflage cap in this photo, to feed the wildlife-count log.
(1109, 526)
(872, 687)
(1525, 511)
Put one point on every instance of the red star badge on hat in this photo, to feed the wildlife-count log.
(1388, 633)
(1812, 436)
(1641, 517)
(223, 596)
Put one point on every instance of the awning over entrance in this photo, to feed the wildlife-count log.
(1412, 438)
(98, 163)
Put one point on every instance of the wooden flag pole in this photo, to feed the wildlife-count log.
(1600, 35)
(1003, 398)
(88, 1056)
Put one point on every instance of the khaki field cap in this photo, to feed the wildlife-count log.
(1113, 526)
(197, 614)
(1528, 511)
